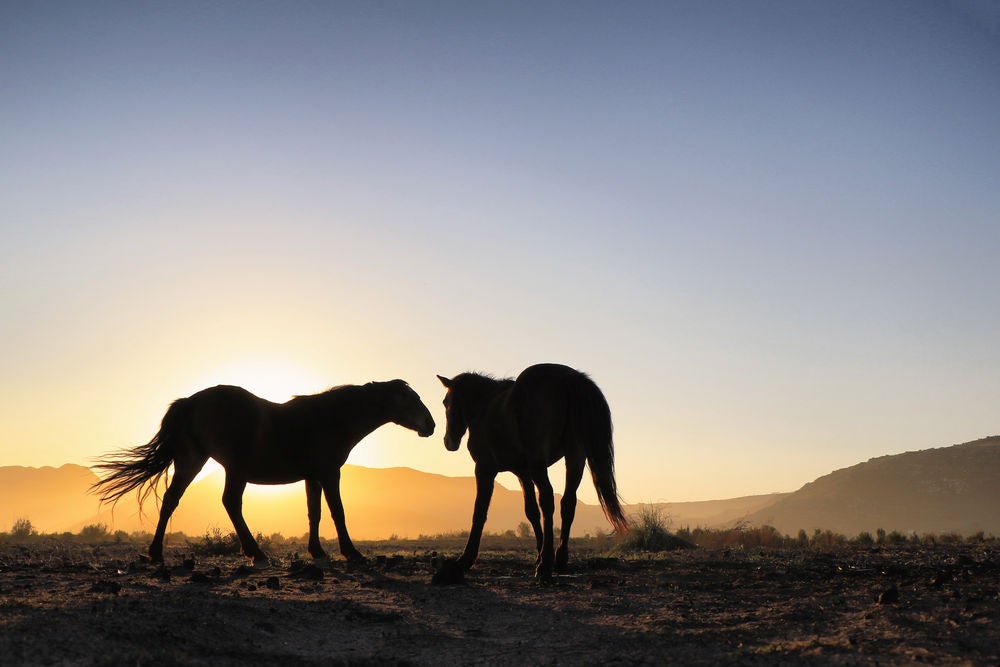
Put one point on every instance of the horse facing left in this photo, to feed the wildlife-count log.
(260, 442)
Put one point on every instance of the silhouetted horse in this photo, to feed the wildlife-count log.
(308, 438)
(524, 426)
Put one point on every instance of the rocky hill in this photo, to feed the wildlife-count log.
(949, 489)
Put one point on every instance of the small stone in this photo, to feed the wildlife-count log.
(889, 596)
(110, 587)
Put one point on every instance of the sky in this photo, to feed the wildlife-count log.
(769, 231)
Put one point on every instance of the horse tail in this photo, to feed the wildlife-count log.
(591, 420)
(140, 468)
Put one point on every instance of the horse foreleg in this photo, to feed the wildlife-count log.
(574, 473)
(543, 572)
(232, 500)
(484, 493)
(314, 506)
(331, 487)
(531, 511)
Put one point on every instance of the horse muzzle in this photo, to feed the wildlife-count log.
(451, 443)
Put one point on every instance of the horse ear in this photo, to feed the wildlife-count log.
(445, 381)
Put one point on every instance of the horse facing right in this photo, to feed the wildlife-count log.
(524, 426)
(260, 442)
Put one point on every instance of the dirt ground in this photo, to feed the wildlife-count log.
(82, 605)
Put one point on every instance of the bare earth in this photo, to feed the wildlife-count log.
(79, 605)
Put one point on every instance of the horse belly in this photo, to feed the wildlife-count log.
(274, 477)
(273, 470)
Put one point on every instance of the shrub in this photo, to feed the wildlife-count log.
(649, 533)
(865, 538)
(895, 537)
(826, 539)
(742, 535)
(215, 543)
(97, 532)
(22, 528)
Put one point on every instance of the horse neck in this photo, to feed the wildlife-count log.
(368, 410)
(355, 411)
(482, 394)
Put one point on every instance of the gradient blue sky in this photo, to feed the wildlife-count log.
(769, 230)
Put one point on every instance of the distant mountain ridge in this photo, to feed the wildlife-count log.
(949, 489)
(378, 502)
(46, 496)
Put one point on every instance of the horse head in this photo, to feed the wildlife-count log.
(455, 414)
(408, 410)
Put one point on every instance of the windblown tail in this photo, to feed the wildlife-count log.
(140, 468)
(592, 418)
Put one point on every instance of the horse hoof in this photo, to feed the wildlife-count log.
(448, 573)
(354, 563)
(322, 562)
(562, 562)
(543, 578)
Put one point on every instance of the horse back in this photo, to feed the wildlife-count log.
(543, 397)
(226, 419)
(265, 442)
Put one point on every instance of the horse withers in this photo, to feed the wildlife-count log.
(260, 442)
(523, 426)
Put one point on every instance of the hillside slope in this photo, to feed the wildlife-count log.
(948, 489)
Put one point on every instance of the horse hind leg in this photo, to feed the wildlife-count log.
(184, 474)
(543, 571)
(531, 511)
(574, 473)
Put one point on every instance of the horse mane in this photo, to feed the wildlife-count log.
(339, 392)
(480, 385)
(342, 395)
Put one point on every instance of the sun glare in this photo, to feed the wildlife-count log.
(208, 469)
(273, 379)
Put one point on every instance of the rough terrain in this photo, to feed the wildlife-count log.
(103, 605)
